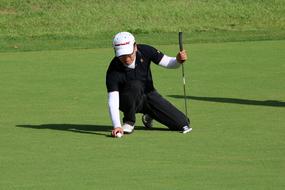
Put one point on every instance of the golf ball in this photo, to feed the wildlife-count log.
(119, 135)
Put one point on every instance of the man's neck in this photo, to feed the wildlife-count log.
(132, 65)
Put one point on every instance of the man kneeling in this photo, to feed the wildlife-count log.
(130, 86)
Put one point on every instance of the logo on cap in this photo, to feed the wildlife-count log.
(121, 44)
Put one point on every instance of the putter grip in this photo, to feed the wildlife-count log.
(180, 41)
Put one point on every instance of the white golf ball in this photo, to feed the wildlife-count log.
(119, 135)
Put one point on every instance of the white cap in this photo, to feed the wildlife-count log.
(123, 43)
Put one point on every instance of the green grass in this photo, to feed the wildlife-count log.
(64, 24)
(54, 123)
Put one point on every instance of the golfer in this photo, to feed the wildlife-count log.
(131, 90)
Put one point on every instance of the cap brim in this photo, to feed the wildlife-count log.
(124, 50)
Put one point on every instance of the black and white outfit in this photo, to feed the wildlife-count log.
(131, 90)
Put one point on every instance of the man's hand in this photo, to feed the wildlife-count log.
(181, 57)
(117, 130)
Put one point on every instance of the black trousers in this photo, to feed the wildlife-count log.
(134, 100)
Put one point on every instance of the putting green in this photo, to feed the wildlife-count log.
(54, 122)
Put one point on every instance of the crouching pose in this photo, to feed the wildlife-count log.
(130, 86)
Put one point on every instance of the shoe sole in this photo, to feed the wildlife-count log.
(186, 131)
(128, 132)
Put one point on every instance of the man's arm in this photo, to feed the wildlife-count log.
(169, 62)
(113, 103)
(173, 62)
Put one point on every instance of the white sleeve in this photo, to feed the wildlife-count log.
(169, 62)
(113, 102)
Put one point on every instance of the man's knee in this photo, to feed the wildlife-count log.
(167, 113)
(132, 95)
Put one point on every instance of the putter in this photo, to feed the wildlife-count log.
(183, 75)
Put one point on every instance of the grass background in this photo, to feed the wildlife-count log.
(54, 126)
(65, 24)
(54, 130)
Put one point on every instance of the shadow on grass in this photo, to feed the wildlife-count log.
(82, 128)
(272, 103)
(78, 128)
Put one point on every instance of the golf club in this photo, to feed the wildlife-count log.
(183, 75)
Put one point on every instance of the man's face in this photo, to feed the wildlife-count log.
(129, 59)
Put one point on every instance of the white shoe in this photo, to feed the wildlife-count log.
(186, 129)
(128, 128)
